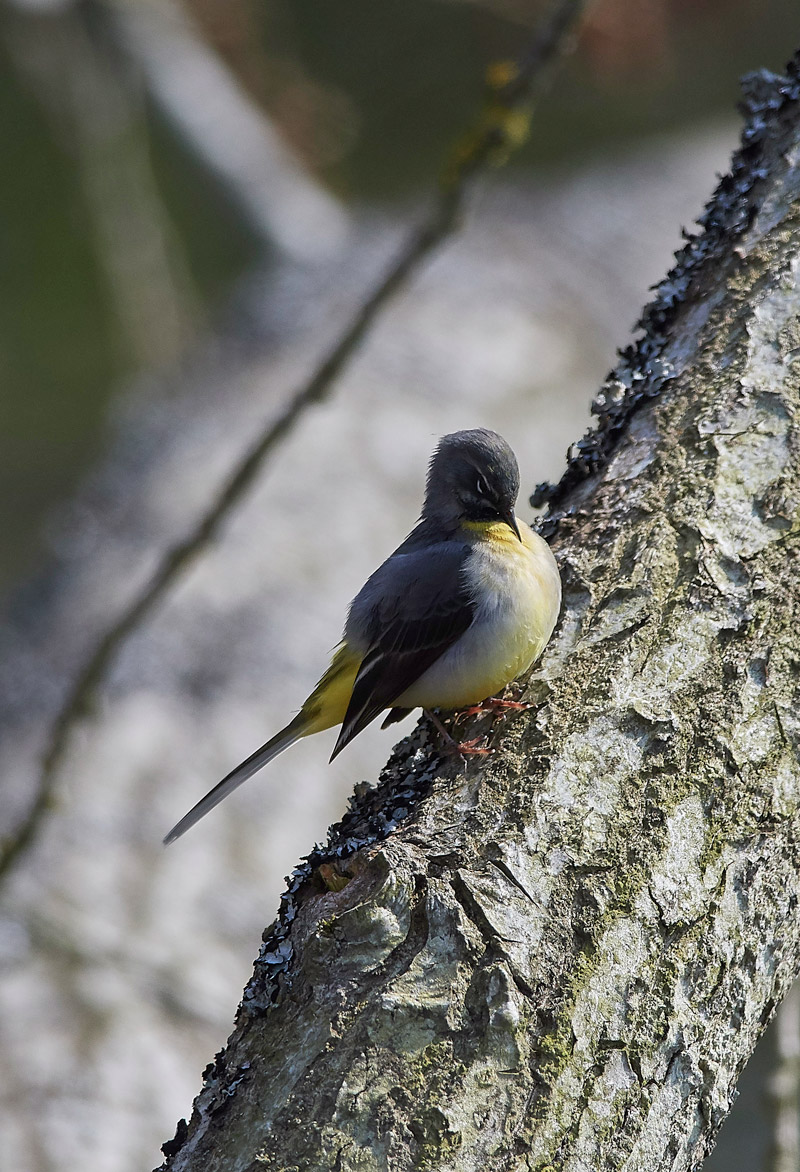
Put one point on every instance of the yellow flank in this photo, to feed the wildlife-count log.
(328, 702)
(517, 594)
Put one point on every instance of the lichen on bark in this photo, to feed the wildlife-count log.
(561, 959)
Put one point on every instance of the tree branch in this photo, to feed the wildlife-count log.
(101, 112)
(563, 958)
(233, 137)
(500, 129)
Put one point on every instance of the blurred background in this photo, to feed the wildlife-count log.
(195, 197)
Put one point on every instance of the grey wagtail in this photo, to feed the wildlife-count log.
(460, 609)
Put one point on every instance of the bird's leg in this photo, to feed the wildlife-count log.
(471, 748)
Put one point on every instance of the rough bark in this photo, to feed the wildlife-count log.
(562, 958)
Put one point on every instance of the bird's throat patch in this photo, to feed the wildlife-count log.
(494, 531)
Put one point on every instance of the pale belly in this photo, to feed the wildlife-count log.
(518, 591)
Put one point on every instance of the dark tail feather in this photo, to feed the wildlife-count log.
(287, 736)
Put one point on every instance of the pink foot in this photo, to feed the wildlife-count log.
(473, 748)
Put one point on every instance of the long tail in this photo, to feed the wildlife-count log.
(325, 707)
(296, 729)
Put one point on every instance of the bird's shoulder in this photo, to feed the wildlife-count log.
(422, 580)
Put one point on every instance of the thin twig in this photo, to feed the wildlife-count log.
(501, 127)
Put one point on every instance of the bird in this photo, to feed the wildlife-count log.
(463, 606)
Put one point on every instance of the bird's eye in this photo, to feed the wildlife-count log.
(482, 487)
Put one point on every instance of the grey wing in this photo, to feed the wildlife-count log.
(412, 609)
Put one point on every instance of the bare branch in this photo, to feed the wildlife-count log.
(500, 128)
(232, 136)
(228, 132)
(102, 115)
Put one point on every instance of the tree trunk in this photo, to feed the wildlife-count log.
(562, 957)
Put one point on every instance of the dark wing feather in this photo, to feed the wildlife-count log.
(411, 611)
(395, 714)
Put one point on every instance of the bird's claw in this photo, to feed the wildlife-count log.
(477, 747)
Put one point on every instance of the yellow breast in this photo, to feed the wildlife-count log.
(517, 592)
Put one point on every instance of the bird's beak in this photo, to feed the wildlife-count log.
(511, 521)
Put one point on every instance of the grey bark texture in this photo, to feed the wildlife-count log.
(561, 958)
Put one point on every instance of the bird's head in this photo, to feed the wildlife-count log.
(473, 476)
